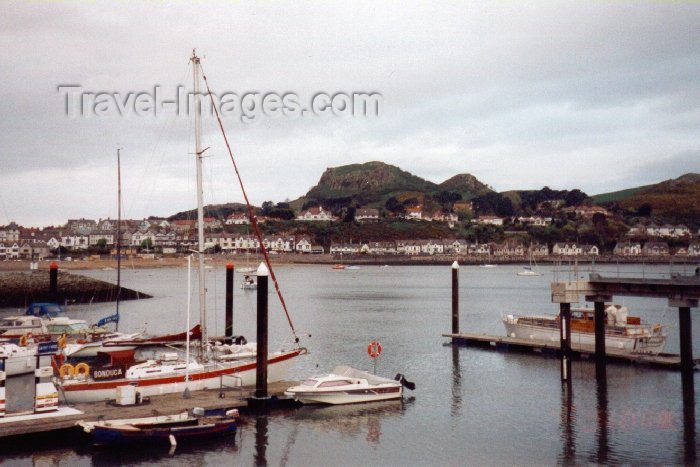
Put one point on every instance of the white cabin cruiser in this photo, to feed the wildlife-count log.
(623, 333)
(347, 385)
(18, 360)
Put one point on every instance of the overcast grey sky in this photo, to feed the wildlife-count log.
(595, 95)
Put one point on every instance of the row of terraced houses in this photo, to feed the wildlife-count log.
(180, 236)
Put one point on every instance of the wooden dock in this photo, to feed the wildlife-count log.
(156, 405)
(506, 343)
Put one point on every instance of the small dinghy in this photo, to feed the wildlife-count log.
(347, 385)
(163, 430)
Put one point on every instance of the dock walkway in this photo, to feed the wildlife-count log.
(671, 361)
(166, 404)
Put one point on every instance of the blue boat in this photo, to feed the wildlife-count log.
(164, 430)
(45, 310)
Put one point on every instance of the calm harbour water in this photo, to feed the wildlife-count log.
(470, 406)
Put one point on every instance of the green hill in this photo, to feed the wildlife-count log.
(675, 200)
(615, 196)
(466, 185)
(373, 183)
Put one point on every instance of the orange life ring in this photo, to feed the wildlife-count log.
(66, 370)
(82, 369)
(374, 349)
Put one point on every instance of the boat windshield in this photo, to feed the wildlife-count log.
(310, 382)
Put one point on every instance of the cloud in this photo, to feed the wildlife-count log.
(595, 95)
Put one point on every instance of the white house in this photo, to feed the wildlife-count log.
(489, 220)
(627, 249)
(315, 214)
(539, 249)
(479, 249)
(408, 247)
(345, 248)
(509, 249)
(432, 247)
(98, 235)
(694, 249)
(366, 215)
(237, 218)
(379, 248)
(537, 221)
(566, 249)
(589, 250)
(279, 244)
(458, 246)
(75, 241)
(302, 244)
(247, 242)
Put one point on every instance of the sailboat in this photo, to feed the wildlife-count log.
(115, 317)
(167, 372)
(530, 270)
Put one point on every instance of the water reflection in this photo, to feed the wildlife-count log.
(602, 426)
(566, 424)
(353, 420)
(689, 418)
(456, 383)
(261, 440)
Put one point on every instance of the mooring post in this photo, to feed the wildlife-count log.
(565, 340)
(685, 329)
(261, 370)
(2, 387)
(455, 298)
(599, 317)
(53, 281)
(228, 330)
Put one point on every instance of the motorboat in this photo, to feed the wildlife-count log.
(18, 327)
(249, 283)
(18, 359)
(338, 266)
(623, 333)
(346, 385)
(162, 430)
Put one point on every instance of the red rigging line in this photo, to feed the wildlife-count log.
(251, 216)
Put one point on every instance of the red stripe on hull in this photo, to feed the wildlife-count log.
(174, 379)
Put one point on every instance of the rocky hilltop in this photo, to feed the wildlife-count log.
(373, 183)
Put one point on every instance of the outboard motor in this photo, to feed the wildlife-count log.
(407, 384)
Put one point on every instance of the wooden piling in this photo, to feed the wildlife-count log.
(455, 298)
(261, 369)
(565, 340)
(599, 340)
(53, 281)
(686, 339)
(228, 330)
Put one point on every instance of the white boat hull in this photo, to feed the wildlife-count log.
(19, 360)
(77, 391)
(20, 365)
(342, 397)
(642, 344)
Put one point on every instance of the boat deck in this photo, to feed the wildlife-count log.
(663, 360)
(167, 404)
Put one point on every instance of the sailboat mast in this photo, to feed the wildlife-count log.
(119, 233)
(200, 201)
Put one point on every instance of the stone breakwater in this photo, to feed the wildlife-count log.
(19, 289)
